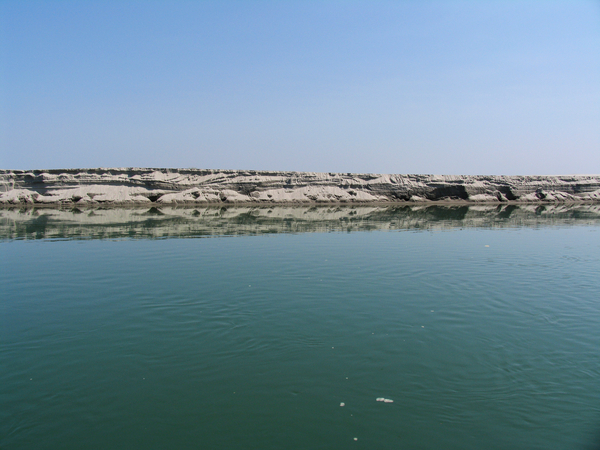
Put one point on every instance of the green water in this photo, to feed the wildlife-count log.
(484, 338)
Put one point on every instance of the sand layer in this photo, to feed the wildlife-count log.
(196, 186)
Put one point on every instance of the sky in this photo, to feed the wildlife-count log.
(443, 87)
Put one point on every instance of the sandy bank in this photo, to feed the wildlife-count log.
(196, 186)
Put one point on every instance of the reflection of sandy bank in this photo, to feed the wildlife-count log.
(166, 221)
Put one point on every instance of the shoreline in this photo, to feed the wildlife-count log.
(118, 187)
(381, 204)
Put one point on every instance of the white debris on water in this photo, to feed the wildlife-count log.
(342, 404)
(385, 400)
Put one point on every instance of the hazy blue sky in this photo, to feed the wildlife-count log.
(455, 87)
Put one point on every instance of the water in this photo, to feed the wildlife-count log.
(484, 334)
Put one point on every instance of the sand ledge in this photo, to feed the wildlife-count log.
(121, 186)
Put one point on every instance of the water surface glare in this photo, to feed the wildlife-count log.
(483, 338)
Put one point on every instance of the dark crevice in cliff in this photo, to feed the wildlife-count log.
(154, 197)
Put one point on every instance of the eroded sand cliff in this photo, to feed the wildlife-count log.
(196, 186)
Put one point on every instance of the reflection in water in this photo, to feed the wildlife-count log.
(164, 222)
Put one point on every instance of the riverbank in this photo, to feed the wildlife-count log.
(127, 186)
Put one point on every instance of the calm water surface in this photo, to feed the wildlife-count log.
(483, 338)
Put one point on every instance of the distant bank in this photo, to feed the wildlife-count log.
(197, 186)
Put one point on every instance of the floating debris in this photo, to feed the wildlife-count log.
(342, 404)
(385, 400)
